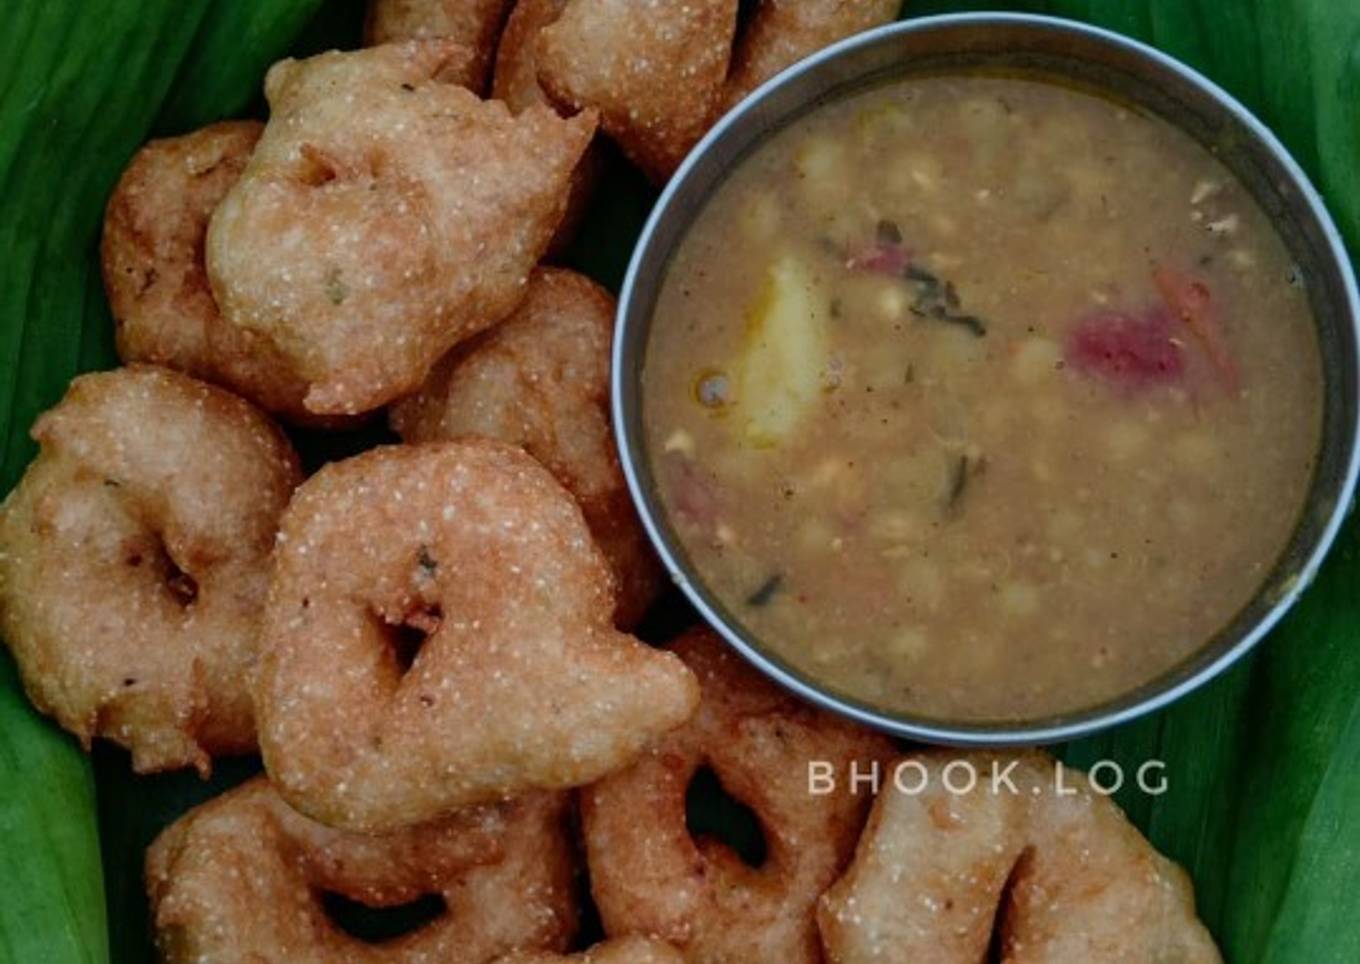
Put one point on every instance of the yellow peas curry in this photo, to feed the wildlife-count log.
(982, 398)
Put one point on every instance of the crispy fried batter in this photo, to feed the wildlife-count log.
(473, 23)
(783, 32)
(384, 217)
(649, 876)
(516, 76)
(520, 683)
(240, 880)
(1062, 876)
(654, 69)
(627, 950)
(152, 252)
(516, 83)
(134, 560)
(540, 379)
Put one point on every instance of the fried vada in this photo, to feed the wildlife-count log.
(515, 82)
(648, 874)
(475, 24)
(654, 70)
(516, 76)
(1006, 851)
(540, 379)
(242, 879)
(164, 312)
(438, 634)
(134, 560)
(628, 950)
(782, 32)
(385, 216)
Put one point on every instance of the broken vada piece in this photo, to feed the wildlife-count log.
(385, 216)
(134, 561)
(628, 950)
(782, 32)
(516, 82)
(540, 379)
(438, 634)
(969, 851)
(654, 70)
(164, 312)
(651, 877)
(246, 878)
(475, 24)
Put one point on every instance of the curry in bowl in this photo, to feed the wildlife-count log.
(980, 397)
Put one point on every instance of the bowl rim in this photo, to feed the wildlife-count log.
(1122, 708)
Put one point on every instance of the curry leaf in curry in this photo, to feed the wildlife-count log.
(767, 591)
(1260, 766)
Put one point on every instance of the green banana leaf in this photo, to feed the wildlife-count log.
(79, 91)
(1263, 766)
(49, 853)
(81, 87)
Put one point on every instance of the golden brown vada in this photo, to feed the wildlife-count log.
(649, 876)
(475, 24)
(627, 950)
(1039, 862)
(384, 216)
(438, 634)
(516, 76)
(152, 253)
(134, 560)
(515, 81)
(782, 32)
(540, 379)
(241, 879)
(654, 69)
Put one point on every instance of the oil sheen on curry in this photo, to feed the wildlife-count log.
(981, 398)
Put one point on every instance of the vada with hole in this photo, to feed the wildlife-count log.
(439, 633)
(975, 850)
(134, 561)
(650, 876)
(243, 879)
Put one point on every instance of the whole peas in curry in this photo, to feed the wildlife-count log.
(982, 398)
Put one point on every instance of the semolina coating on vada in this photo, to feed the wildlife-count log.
(438, 634)
(163, 309)
(627, 950)
(515, 81)
(240, 880)
(654, 69)
(782, 32)
(516, 77)
(651, 877)
(475, 24)
(540, 379)
(385, 215)
(134, 562)
(1038, 864)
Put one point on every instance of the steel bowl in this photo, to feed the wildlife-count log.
(1097, 60)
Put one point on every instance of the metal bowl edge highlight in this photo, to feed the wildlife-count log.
(1095, 58)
